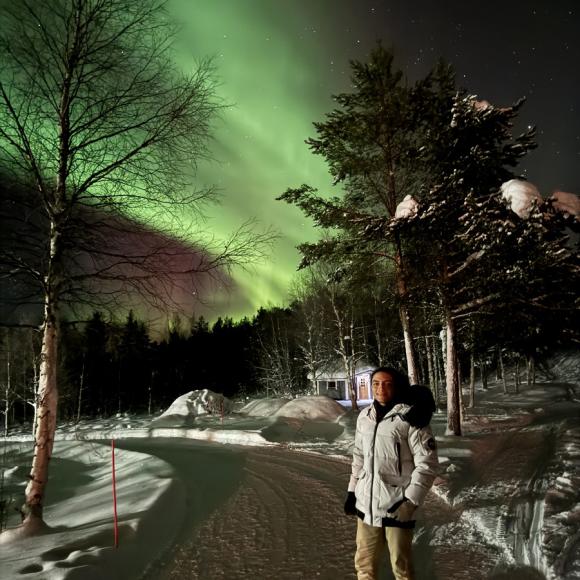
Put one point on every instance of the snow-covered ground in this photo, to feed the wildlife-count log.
(507, 504)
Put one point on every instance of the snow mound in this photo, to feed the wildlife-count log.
(263, 407)
(314, 408)
(195, 404)
(520, 196)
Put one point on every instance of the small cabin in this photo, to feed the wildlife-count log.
(334, 383)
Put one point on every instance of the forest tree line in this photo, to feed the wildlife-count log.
(108, 367)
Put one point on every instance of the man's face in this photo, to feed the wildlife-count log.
(383, 387)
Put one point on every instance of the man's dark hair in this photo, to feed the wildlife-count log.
(400, 380)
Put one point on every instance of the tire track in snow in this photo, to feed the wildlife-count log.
(285, 521)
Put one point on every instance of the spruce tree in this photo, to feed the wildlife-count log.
(372, 143)
(461, 223)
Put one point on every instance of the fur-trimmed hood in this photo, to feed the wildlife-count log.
(421, 404)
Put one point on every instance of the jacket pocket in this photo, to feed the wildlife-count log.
(359, 484)
(390, 495)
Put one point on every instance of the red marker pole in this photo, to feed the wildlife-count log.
(115, 519)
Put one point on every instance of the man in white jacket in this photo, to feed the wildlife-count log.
(393, 467)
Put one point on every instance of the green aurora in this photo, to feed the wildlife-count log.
(269, 69)
(278, 63)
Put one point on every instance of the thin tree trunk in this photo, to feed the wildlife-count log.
(365, 342)
(438, 371)
(8, 388)
(472, 381)
(412, 367)
(150, 393)
(503, 377)
(81, 389)
(351, 366)
(343, 350)
(119, 388)
(24, 403)
(499, 366)
(530, 371)
(453, 398)
(517, 375)
(378, 338)
(483, 366)
(421, 360)
(460, 387)
(429, 362)
(430, 370)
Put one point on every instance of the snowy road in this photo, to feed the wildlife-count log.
(278, 513)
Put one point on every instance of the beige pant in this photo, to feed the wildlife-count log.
(370, 544)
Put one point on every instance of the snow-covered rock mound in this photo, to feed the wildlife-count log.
(195, 404)
(314, 408)
(521, 196)
(263, 407)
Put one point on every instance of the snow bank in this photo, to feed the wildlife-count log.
(263, 407)
(250, 435)
(314, 408)
(79, 508)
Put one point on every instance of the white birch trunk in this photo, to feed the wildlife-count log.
(47, 395)
(45, 419)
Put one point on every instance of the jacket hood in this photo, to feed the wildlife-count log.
(421, 403)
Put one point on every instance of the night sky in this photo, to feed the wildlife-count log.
(279, 61)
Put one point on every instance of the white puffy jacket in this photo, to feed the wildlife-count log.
(391, 460)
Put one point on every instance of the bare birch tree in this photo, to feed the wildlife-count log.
(101, 129)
